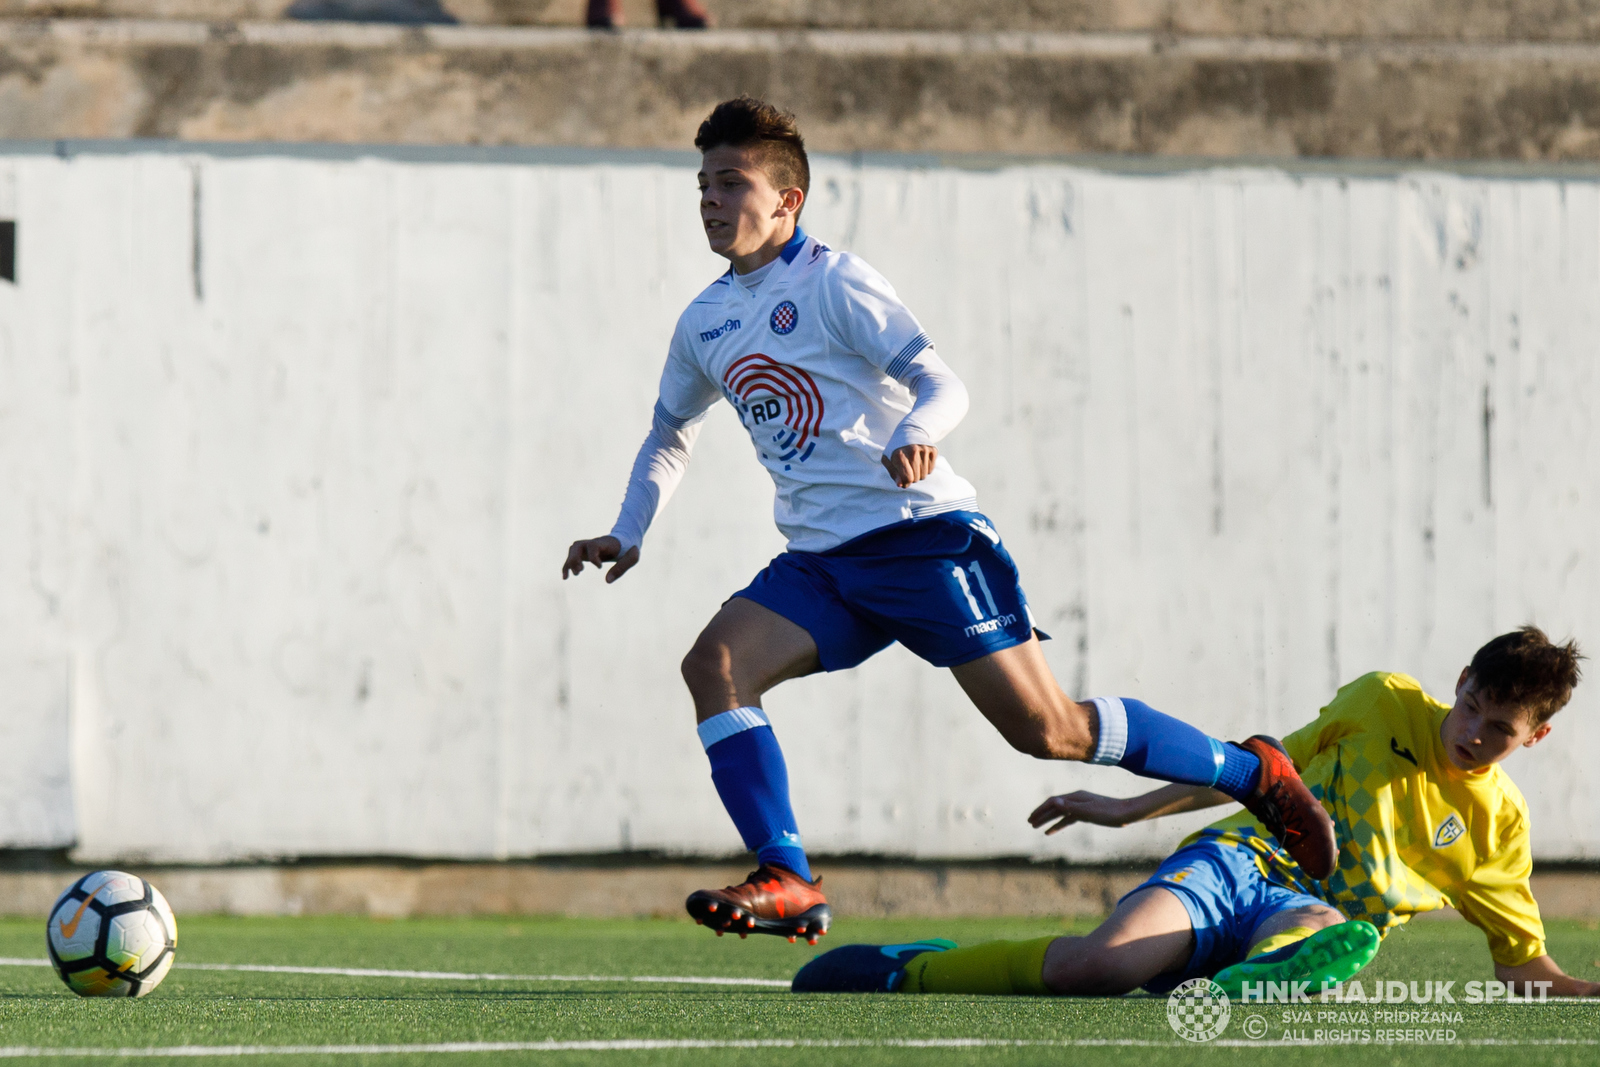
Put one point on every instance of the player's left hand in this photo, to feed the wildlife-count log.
(1078, 807)
(600, 551)
(910, 463)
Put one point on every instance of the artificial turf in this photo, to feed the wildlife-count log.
(216, 1008)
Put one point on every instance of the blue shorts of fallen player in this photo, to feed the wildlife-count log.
(943, 586)
(1227, 897)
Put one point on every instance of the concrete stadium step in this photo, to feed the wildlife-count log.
(880, 890)
(1028, 94)
(1440, 20)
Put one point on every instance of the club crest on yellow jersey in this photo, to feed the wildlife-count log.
(1448, 831)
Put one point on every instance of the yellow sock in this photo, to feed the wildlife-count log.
(995, 967)
(1277, 941)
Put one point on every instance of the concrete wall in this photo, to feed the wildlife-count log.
(292, 448)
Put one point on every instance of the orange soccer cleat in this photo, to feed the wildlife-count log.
(772, 900)
(1289, 811)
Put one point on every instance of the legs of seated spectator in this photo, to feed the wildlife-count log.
(603, 14)
(683, 14)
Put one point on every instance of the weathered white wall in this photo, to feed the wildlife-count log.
(291, 449)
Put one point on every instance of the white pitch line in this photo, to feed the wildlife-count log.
(652, 1045)
(657, 979)
(450, 976)
(622, 1045)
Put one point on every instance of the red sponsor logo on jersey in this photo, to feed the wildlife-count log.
(769, 392)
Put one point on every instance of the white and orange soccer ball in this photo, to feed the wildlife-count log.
(111, 935)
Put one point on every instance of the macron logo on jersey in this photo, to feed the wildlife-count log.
(716, 332)
(765, 392)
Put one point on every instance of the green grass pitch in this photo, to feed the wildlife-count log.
(197, 1007)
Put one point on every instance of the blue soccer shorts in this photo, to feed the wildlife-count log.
(944, 586)
(1227, 897)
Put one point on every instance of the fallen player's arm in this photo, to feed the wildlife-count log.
(1544, 969)
(1120, 811)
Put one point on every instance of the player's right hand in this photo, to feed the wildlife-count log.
(1077, 807)
(910, 463)
(599, 551)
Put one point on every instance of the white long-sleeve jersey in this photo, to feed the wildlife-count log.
(828, 372)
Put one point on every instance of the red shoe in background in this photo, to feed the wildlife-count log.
(684, 14)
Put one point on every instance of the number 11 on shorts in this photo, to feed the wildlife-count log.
(983, 587)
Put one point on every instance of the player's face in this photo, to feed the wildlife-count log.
(741, 210)
(1479, 732)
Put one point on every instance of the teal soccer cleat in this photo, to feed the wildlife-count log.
(1332, 954)
(863, 968)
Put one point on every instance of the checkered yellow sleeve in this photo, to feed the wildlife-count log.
(1499, 901)
(1349, 712)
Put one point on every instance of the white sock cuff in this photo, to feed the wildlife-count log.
(721, 727)
(1113, 743)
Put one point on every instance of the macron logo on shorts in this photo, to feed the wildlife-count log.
(989, 626)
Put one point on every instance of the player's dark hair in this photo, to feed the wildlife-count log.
(745, 122)
(1525, 669)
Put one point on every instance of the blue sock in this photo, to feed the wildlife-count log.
(1137, 737)
(748, 770)
(1240, 772)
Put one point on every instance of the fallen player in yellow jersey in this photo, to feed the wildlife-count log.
(1425, 817)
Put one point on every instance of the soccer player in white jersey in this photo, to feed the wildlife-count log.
(845, 401)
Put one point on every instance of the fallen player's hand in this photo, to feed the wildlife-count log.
(1079, 807)
(599, 550)
(910, 463)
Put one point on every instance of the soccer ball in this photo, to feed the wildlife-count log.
(111, 935)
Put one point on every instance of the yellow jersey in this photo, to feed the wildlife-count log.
(1415, 833)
